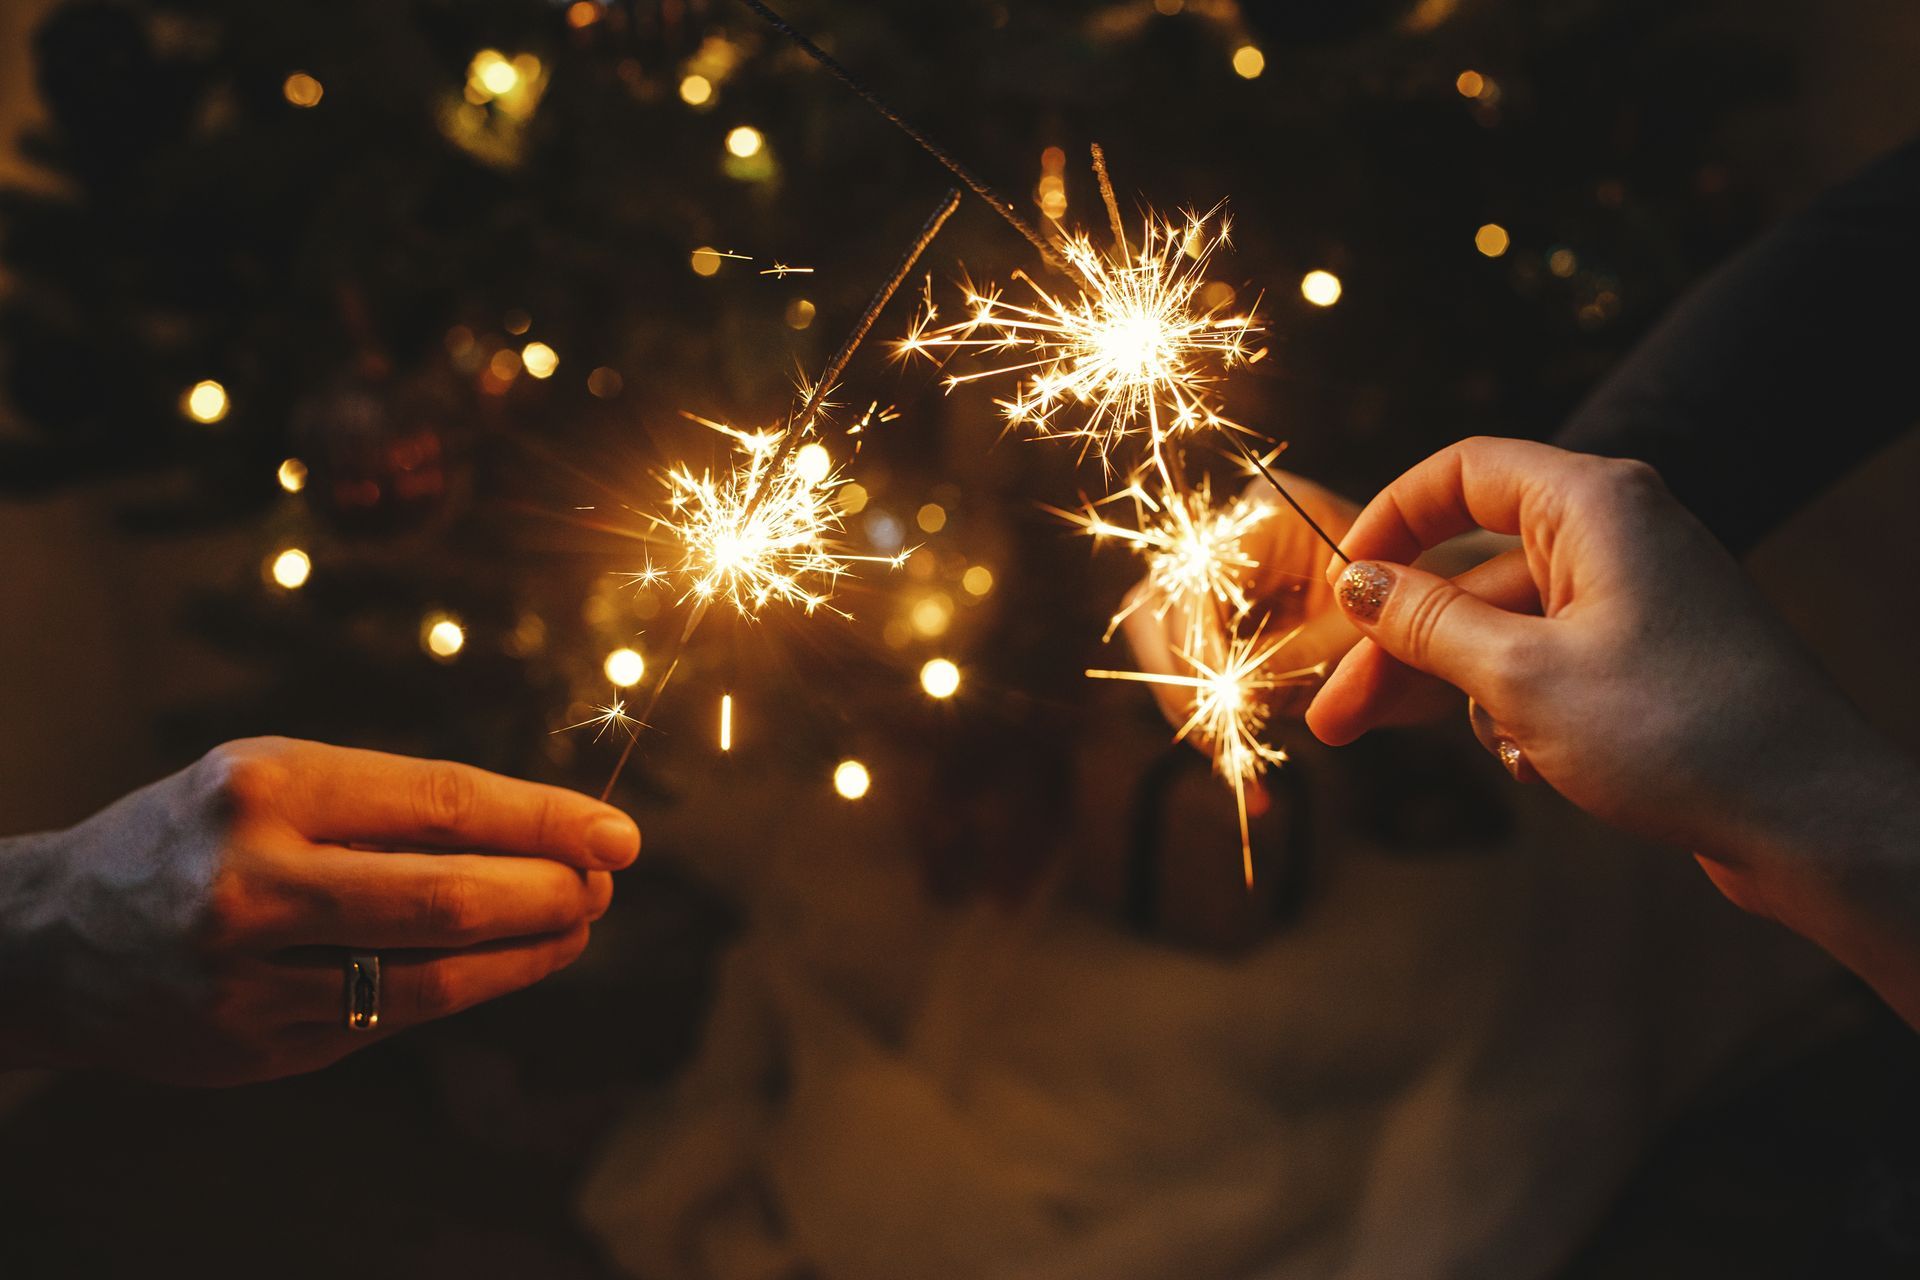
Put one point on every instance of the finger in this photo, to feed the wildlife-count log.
(354, 898)
(1428, 623)
(1486, 483)
(1378, 689)
(417, 986)
(344, 795)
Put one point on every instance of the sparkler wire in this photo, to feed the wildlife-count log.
(1000, 204)
(1253, 460)
(798, 424)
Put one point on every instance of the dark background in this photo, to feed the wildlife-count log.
(347, 271)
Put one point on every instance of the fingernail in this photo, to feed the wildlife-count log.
(614, 841)
(1364, 588)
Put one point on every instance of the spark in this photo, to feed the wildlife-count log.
(781, 270)
(762, 530)
(607, 718)
(1133, 353)
(1195, 555)
(1231, 682)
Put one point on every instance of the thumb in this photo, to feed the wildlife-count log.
(1430, 623)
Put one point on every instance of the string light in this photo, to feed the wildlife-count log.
(851, 779)
(205, 401)
(940, 678)
(624, 668)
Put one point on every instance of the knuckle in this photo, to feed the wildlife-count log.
(1425, 617)
(452, 913)
(444, 797)
(244, 779)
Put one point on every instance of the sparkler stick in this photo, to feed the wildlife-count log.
(1107, 198)
(769, 475)
(653, 699)
(1253, 460)
(999, 203)
(799, 424)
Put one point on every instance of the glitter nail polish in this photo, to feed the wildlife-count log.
(1364, 589)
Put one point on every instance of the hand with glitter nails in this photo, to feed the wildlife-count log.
(1621, 655)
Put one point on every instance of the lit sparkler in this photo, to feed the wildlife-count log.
(761, 531)
(1194, 552)
(1231, 690)
(1133, 353)
(764, 529)
(613, 716)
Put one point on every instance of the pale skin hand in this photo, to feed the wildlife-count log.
(196, 931)
(1290, 589)
(1653, 688)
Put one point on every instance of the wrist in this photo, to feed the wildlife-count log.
(1839, 863)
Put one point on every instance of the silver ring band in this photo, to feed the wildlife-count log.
(363, 990)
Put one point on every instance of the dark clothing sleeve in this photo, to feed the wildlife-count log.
(1785, 368)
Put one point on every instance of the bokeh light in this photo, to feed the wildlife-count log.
(292, 475)
(745, 141)
(1492, 239)
(696, 90)
(291, 568)
(851, 780)
(442, 636)
(541, 360)
(940, 678)
(813, 462)
(1321, 288)
(302, 90)
(625, 667)
(1249, 62)
(205, 401)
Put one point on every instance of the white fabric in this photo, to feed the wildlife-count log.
(1445, 1069)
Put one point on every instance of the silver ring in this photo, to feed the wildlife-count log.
(1495, 739)
(363, 990)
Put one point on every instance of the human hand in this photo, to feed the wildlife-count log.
(1290, 590)
(1655, 690)
(197, 930)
